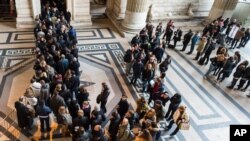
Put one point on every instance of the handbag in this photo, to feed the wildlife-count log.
(99, 98)
(185, 126)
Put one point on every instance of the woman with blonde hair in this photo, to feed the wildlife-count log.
(200, 47)
(144, 136)
(64, 120)
(180, 116)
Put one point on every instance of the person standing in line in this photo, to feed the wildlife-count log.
(193, 42)
(186, 40)
(114, 125)
(209, 51)
(200, 47)
(180, 116)
(240, 34)
(104, 96)
(174, 104)
(137, 71)
(123, 106)
(240, 71)
(43, 112)
(177, 36)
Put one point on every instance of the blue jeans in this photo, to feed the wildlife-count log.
(211, 68)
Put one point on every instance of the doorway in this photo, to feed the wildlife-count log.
(7, 9)
(97, 9)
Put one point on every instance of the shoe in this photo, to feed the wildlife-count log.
(243, 90)
(172, 134)
(188, 53)
(195, 59)
(204, 77)
(248, 95)
(229, 87)
(166, 128)
(168, 119)
(182, 50)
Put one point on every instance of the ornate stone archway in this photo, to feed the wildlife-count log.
(28, 9)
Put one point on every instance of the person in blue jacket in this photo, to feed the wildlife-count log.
(43, 112)
(193, 42)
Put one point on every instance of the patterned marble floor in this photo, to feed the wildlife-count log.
(212, 107)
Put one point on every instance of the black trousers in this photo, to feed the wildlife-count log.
(46, 121)
(103, 106)
(170, 126)
(171, 110)
(197, 55)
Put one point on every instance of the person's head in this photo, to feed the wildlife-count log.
(83, 89)
(149, 67)
(143, 99)
(146, 135)
(129, 113)
(182, 108)
(62, 110)
(80, 113)
(124, 97)
(124, 121)
(245, 63)
(163, 74)
(114, 115)
(104, 85)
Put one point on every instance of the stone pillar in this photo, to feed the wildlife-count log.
(24, 11)
(229, 8)
(80, 12)
(222, 8)
(110, 7)
(136, 14)
(119, 9)
(36, 6)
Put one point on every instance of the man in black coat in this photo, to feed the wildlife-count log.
(158, 52)
(114, 125)
(177, 36)
(123, 106)
(74, 66)
(137, 71)
(136, 40)
(22, 114)
(186, 40)
(209, 50)
(80, 121)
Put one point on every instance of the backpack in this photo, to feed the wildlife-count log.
(98, 99)
(127, 57)
(131, 135)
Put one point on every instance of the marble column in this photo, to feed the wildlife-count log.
(229, 8)
(25, 18)
(136, 14)
(222, 8)
(80, 12)
(110, 7)
(119, 9)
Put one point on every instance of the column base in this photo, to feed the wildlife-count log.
(134, 22)
(77, 23)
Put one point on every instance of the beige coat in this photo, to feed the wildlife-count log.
(201, 46)
(184, 116)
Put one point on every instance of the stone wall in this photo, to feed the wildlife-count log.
(162, 9)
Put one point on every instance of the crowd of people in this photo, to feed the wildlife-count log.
(55, 89)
